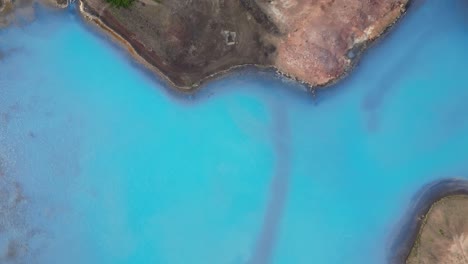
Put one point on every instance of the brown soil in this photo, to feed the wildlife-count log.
(321, 32)
(188, 41)
(443, 237)
(191, 41)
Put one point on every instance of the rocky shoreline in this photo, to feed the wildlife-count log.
(424, 200)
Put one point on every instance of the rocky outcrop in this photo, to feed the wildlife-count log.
(6, 7)
(188, 42)
(57, 3)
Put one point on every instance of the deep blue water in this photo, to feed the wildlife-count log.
(99, 163)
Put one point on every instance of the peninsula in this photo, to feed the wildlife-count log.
(187, 42)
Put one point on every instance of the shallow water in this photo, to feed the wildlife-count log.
(99, 163)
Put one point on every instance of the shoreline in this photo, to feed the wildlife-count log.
(91, 17)
(409, 228)
(148, 59)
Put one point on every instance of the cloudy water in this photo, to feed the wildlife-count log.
(100, 163)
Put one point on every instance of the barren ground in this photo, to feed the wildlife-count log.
(443, 237)
(314, 41)
(188, 42)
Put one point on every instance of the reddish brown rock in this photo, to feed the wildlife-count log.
(319, 34)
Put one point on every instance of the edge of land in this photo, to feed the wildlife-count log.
(416, 215)
(147, 58)
(151, 60)
(254, 35)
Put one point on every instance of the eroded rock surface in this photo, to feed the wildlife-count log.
(314, 41)
(443, 237)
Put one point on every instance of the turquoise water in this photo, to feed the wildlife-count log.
(100, 163)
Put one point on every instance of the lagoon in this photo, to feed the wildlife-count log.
(101, 163)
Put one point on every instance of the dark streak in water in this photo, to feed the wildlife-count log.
(265, 244)
(457, 114)
(415, 4)
(8, 52)
(422, 202)
(375, 98)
